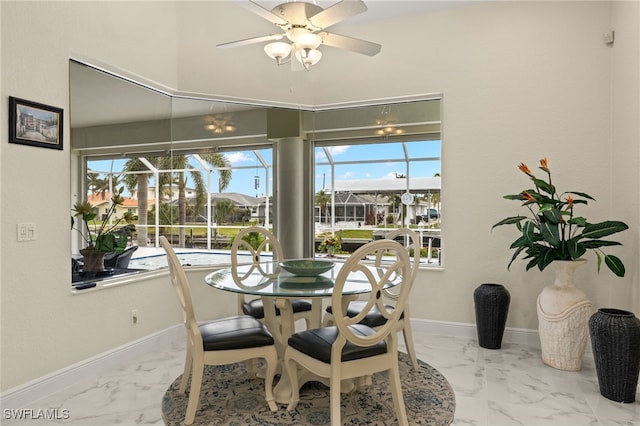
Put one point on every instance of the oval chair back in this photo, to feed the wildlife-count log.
(264, 239)
(259, 242)
(397, 271)
(415, 245)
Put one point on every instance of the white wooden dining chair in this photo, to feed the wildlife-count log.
(218, 342)
(264, 239)
(351, 349)
(374, 318)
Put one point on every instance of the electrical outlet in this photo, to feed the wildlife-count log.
(134, 317)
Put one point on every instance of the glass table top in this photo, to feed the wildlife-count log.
(270, 279)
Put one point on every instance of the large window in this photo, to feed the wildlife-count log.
(381, 172)
(195, 200)
(198, 170)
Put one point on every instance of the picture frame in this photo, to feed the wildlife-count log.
(35, 124)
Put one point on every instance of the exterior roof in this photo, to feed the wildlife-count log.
(98, 200)
(237, 198)
(421, 184)
(352, 198)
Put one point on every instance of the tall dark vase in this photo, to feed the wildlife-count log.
(492, 307)
(615, 339)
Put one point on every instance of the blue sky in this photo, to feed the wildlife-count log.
(247, 166)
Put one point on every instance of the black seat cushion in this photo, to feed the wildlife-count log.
(373, 319)
(317, 343)
(255, 308)
(238, 332)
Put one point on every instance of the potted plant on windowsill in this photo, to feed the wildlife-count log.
(330, 244)
(553, 234)
(104, 236)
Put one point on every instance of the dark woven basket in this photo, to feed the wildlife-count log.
(492, 307)
(615, 338)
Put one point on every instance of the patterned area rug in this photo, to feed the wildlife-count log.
(230, 397)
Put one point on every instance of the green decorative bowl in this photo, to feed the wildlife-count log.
(307, 267)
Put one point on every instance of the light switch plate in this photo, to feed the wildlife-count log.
(26, 232)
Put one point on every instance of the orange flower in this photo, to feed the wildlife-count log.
(569, 199)
(523, 167)
(544, 165)
(527, 196)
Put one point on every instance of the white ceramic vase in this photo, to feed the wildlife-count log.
(563, 319)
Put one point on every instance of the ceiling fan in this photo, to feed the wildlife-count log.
(303, 25)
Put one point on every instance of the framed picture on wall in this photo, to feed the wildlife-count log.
(31, 123)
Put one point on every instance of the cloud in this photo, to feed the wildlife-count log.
(347, 175)
(333, 151)
(337, 150)
(238, 157)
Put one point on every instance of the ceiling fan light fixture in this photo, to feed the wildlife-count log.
(278, 51)
(304, 38)
(308, 57)
(304, 24)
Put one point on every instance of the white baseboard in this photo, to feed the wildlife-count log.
(23, 395)
(442, 328)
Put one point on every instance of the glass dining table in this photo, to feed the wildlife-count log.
(278, 288)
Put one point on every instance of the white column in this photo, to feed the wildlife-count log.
(294, 197)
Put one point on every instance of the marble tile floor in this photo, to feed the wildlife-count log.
(510, 386)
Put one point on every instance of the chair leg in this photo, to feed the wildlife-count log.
(334, 399)
(396, 392)
(271, 361)
(194, 392)
(188, 363)
(408, 342)
(291, 367)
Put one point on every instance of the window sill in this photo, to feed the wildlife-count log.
(131, 278)
(118, 280)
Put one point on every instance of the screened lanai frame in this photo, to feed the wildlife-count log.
(405, 159)
(262, 171)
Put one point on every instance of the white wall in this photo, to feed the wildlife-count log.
(44, 328)
(520, 81)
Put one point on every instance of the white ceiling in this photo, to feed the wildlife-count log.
(380, 9)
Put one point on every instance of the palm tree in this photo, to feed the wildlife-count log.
(224, 209)
(323, 199)
(395, 201)
(106, 184)
(139, 184)
(181, 163)
(94, 182)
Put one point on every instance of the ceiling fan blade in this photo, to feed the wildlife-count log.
(353, 44)
(252, 40)
(262, 12)
(337, 13)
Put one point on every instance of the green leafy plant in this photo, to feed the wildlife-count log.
(330, 241)
(552, 231)
(254, 239)
(105, 236)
